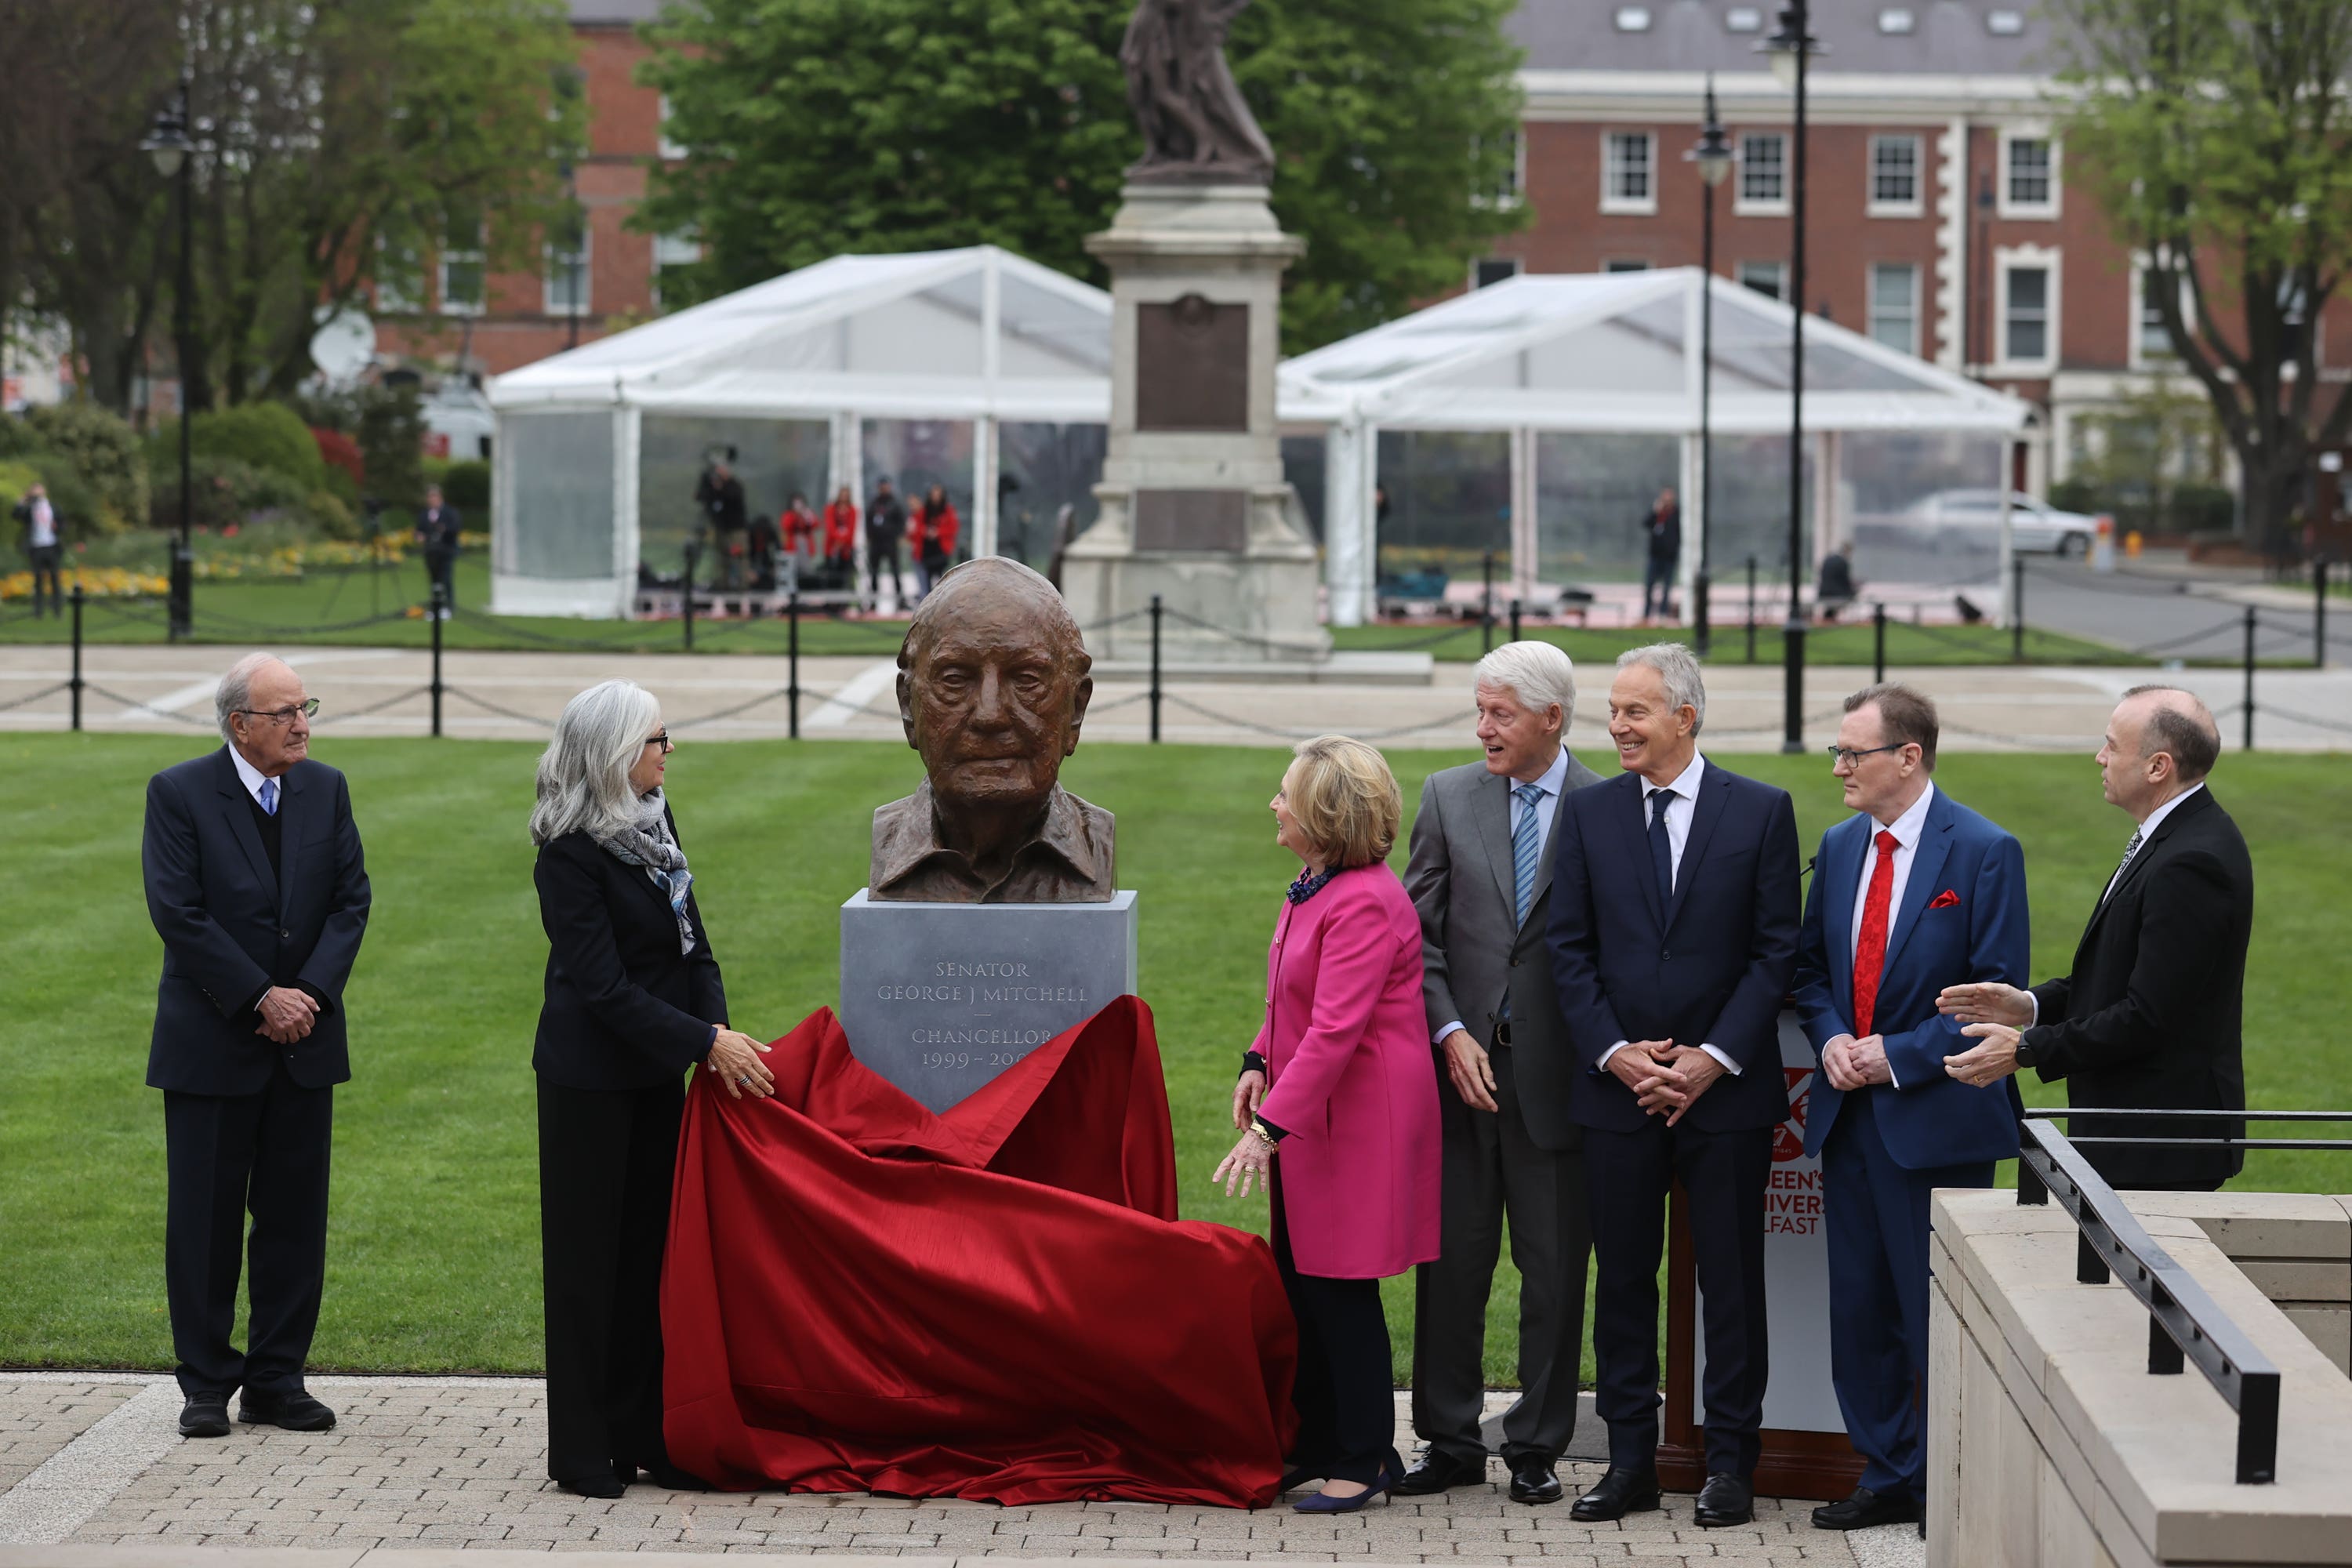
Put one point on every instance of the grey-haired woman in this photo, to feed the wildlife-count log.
(633, 1002)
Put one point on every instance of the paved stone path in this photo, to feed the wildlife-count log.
(95, 1462)
(516, 696)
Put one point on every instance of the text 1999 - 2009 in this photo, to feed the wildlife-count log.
(936, 1059)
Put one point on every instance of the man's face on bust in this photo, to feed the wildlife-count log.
(991, 703)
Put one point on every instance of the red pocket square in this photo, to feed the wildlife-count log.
(1946, 899)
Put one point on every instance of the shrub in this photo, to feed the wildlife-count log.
(260, 434)
(101, 447)
(340, 452)
(467, 487)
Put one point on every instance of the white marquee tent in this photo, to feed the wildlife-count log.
(597, 449)
(1600, 352)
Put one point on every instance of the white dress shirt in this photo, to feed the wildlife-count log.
(1906, 829)
(1681, 807)
(1554, 779)
(43, 520)
(2146, 831)
(251, 777)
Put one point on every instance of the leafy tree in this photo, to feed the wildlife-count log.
(334, 142)
(815, 127)
(2218, 136)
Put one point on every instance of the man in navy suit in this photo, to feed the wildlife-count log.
(1673, 936)
(1913, 893)
(256, 883)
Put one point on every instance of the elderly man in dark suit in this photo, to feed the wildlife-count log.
(2152, 1016)
(256, 883)
(1480, 875)
(1674, 936)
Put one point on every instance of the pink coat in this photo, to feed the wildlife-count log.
(1352, 1079)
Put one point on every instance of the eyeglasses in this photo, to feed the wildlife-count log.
(308, 708)
(661, 738)
(1850, 757)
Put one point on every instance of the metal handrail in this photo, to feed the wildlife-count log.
(2185, 1323)
(2226, 1141)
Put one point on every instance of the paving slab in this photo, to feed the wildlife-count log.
(422, 1472)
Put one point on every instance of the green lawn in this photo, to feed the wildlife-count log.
(434, 1260)
(324, 606)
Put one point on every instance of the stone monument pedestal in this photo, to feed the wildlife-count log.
(1195, 506)
(941, 999)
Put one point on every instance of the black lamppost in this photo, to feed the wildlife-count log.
(1788, 50)
(168, 143)
(1713, 157)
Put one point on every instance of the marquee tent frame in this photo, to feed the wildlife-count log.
(977, 334)
(1602, 353)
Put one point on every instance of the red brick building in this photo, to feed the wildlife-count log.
(1940, 218)
(610, 281)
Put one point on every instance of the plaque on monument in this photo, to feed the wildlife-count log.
(941, 999)
(1191, 520)
(1191, 365)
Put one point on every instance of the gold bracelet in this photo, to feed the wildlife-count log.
(1263, 1134)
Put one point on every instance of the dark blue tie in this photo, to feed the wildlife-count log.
(1662, 848)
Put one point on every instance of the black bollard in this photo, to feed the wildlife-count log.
(1155, 669)
(793, 650)
(439, 602)
(1487, 607)
(1751, 609)
(74, 682)
(1515, 618)
(2251, 616)
(2319, 612)
(2017, 610)
(686, 599)
(1878, 644)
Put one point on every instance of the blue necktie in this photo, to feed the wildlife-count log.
(270, 797)
(1527, 846)
(1662, 848)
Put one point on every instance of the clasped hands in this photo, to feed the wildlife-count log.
(1994, 1015)
(1666, 1078)
(287, 1014)
(1851, 1064)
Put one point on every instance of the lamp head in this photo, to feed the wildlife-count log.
(1713, 154)
(166, 141)
(1785, 50)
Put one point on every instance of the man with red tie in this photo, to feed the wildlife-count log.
(1913, 893)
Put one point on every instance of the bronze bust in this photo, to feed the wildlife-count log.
(993, 685)
(1197, 127)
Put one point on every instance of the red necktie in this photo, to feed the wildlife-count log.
(1870, 948)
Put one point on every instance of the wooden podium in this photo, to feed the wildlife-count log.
(1806, 1454)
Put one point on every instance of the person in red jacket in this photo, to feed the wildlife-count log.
(841, 538)
(931, 538)
(800, 528)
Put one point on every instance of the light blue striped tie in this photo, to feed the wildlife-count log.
(1526, 844)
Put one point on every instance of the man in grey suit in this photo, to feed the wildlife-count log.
(1480, 870)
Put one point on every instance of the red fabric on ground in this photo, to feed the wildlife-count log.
(996, 1302)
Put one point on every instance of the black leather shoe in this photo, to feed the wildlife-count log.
(1866, 1509)
(1623, 1489)
(296, 1412)
(605, 1485)
(1533, 1481)
(1725, 1500)
(204, 1416)
(1438, 1470)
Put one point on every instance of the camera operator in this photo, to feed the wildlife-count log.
(437, 534)
(720, 497)
(885, 527)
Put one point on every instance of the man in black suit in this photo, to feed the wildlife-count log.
(256, 883)
(437, 534)
(1662, 537)
(1673, 934)
(2151, 1017)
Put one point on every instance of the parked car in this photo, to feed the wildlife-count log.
(1970, 521)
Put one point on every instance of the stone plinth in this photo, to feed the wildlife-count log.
(1195, 506)
(941, 999)
(2049, 1443)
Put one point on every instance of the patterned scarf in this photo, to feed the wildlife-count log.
(1309, 883)
(647, 842)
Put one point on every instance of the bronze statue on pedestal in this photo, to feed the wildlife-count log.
(1197, 128)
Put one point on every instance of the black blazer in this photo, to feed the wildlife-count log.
(231, 930)
(624, 1008)
(2152, 1016)
(1713, 970)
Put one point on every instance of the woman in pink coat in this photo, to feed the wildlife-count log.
(1337, 1099)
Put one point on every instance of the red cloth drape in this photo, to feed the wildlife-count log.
(996, 1302)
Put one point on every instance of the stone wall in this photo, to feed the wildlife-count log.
(2049, 1442)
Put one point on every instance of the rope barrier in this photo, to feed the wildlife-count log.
(133, 702)
(412, 692)
(37, 696)
(493, 708)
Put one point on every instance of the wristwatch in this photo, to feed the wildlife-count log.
(2026, 1055)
